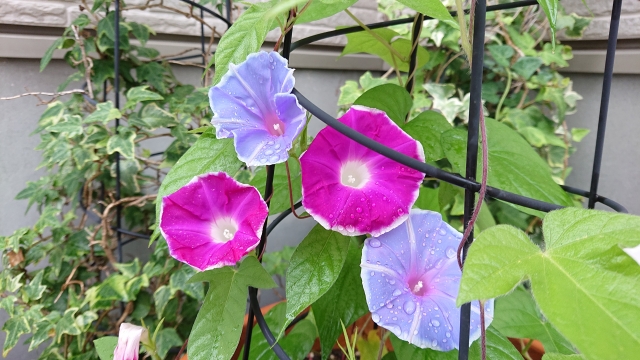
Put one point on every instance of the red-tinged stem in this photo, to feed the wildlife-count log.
(293, 209)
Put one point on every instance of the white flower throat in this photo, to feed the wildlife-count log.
(223, 230)
(354, 174)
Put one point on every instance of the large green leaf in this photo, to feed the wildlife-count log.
(583, 282)
(314, 268)
(365, 42)
(280, 200)
(208, 154)
(343, 302)
(427, 128)
(432, 8)
(394, 100)
(513, 165)
(320, 9)
(517, 316)
(216, 331)
(243, 38)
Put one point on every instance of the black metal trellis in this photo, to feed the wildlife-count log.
(468, 182)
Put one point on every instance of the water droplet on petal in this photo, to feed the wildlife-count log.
(374, 243)
(263, 160)
(397, 292)
(372, 273)
(359, 209)
(448, 334)
(274, 158)
(375, 317)
(435, 322)
(350, 228)
(268, 152)
(277, 146)
(390, 306)
(434, 343)
(451, 252)
(391, 281)
(409, 307)
(443, 232)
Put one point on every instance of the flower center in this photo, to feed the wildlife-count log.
(274, 125)
(223, 230)
(418, 287)
(354, 174)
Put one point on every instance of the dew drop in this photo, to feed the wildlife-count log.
(435, 322)
(350, 228)
(263, 160)
(352, 216)
(389, 306)
(330, 216)
(392, 281)
(451, 252)
(448, 334)
(372, 273)
(397, 292)
(274, 158)
(361, 199)
(374, 243)
(443, 232)
(268, 152)
(277, 146)
(434, 343)
(409, 307)
(375, 317)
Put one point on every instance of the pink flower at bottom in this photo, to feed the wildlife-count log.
(129, 338)
(411, 278)
(213, 221)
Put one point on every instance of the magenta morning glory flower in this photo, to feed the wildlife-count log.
(351, 189)
(253, 105)
(411, 278)
(213, 221)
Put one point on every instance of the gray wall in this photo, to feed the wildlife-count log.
(620, 170)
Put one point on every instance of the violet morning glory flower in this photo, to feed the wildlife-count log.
(253, 105)
(411, 279)
(351, 189)
(213, 221)
(129, 337)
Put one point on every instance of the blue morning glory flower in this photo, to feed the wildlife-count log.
(411, 278)
(253, 105)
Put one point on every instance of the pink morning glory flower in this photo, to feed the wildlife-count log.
(411, 278)
(253, 105)
(129, 337)
(213, 221)
(351, 189)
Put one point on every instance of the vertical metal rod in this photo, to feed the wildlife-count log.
(413, 62)
(116, 91)
(604, 101)
(227, 5)
(475, 108)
